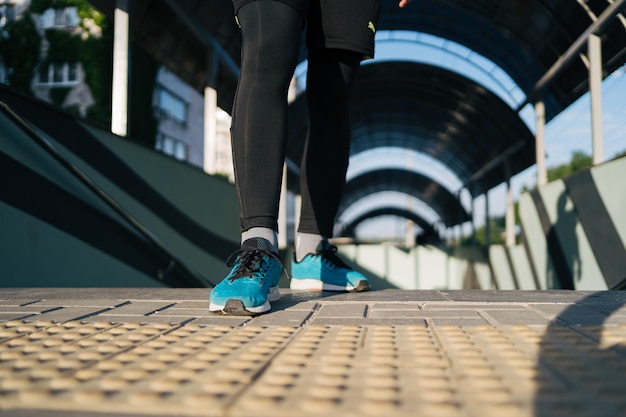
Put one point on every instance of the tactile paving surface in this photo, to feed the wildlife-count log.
(154, 368)
(245, 371)
(126, 353)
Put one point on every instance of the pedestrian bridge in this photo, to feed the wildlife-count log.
(109, 249)
(75, 196)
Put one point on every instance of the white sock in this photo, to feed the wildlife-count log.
(306, 243)
(264, 232)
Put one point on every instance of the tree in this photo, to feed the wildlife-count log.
(19, 50)
(496, 233)
(580, 160)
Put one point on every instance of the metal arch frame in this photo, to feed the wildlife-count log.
(470, 142)
(474, 26)
(349, 229)
(425, 94)
(391, 198)
(442, 201)
(509, 92)
(413, 138)
(426, 166)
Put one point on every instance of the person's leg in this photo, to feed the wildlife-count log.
(271, 34)
(330, 77)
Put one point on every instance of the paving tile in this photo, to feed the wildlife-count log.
(183, 312)
(387, 296)
(550, 310)
(290, 318)
(78, 302)
(216, 320)
(342, 310)
(14, 316)
(471, 306)
(395, 306)
(17, 302)
(458, 321)
(29, 309)
(67, 313)
(305, 305)
(136, 318)
(190, 304)
(517, 296)
(509, 317)
(140, 308)
(423, 314)
(335, 321)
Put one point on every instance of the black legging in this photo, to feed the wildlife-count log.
(271, 35)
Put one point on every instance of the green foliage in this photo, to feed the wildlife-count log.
(58, 95)
(63, 46)
(40, 6)
(20, 46)
(579, 161)
(94, 54)
(73, 110)
(96, 59)
(86, 11)
(84, 8)
(19, 50)
(620, 155)
(496, 233)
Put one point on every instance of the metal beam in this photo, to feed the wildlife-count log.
(596, 27)
(121, 68)
(540, 143)
(509, 240)
(595, 91)
(564, 60)
(204, 35)
(494, 162)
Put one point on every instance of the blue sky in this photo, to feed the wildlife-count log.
(570, 131)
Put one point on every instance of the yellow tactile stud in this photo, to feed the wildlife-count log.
(158, 366)
(246, 371)
(344, 370)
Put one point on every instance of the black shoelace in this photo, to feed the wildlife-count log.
(249, 262)
(329, 252)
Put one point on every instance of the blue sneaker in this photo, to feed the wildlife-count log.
(252, 283)
(323, 270)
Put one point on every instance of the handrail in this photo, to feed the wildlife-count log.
(190, 277)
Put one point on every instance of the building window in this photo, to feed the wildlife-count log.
(72, 72)
(3, 74)
(44, 74)
(7, 13)
(171, 106)
(59, 74)
(171, 147)
(59, 18)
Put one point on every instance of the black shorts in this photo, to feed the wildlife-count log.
(340, 24)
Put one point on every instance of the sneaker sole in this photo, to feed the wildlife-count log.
(317, 285)
(234, 307)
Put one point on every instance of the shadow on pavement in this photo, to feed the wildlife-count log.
(581, 365)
